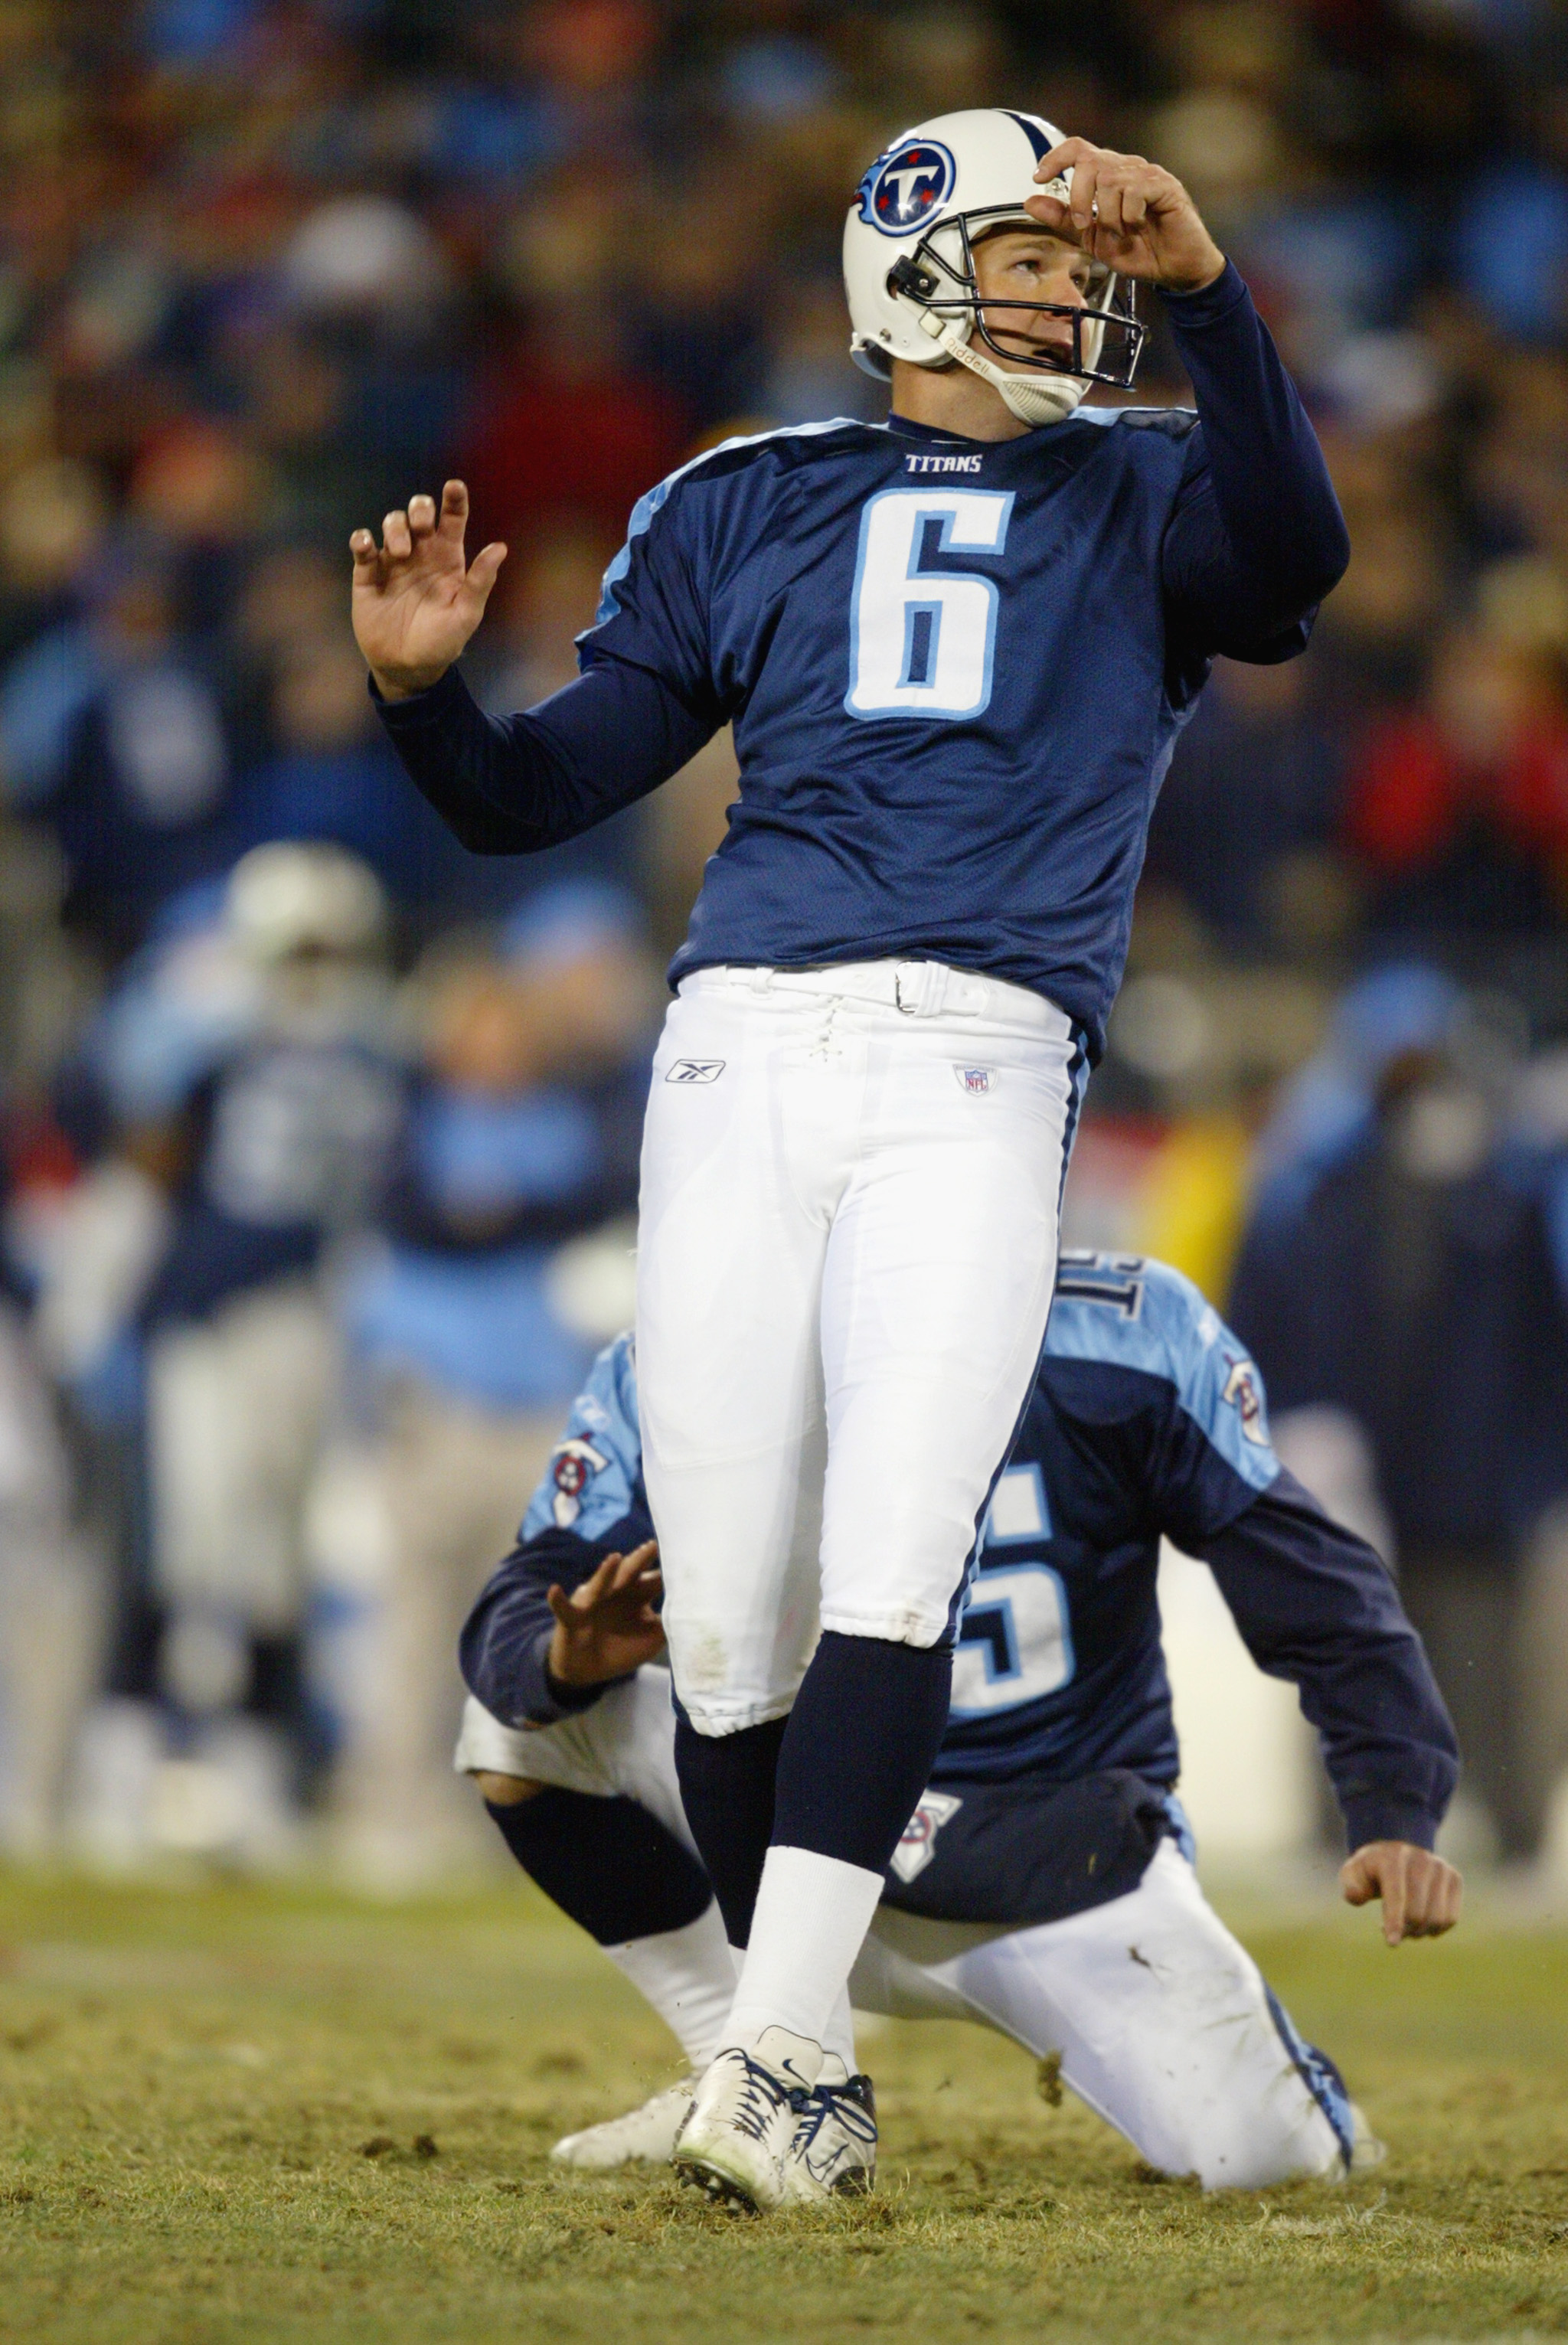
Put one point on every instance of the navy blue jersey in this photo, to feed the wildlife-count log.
(956, 668)
(1147, 1420)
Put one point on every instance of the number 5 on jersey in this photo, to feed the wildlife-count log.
(922, 640)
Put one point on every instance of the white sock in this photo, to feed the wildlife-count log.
(690, 1979)
(839, 2033)
(812, 1918)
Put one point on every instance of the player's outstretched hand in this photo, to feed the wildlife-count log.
(1128, 214)
(416, 600)
(607, 1626)
(1421, 1892)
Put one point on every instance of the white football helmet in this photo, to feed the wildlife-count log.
(908, 264)
(286, 901)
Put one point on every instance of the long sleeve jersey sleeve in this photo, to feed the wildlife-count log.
(1256, 539)
(1315, 1605)
(515, 785)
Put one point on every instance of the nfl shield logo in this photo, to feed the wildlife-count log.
(976, 1078)
(918, 1846)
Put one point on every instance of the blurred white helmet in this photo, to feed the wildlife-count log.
(908, 264)
(287, 901)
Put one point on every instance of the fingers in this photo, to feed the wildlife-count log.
(1421, 1891)
(1432, 1903)
(600, 1583)
(1052, 213)
(1063, 159)
(1356, 1883)
(1394, 1874)
(572, 1610)
(633, 1565)
(1083, 196)
(1109, 200)
(455, 510)
(367, 558)
(485, 568)
(403, 530)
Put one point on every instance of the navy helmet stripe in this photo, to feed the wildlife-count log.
(1031, 131)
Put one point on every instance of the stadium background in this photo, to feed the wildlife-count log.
(318, 1193)
(317, 1189)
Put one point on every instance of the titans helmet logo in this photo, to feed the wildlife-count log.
(907, 185)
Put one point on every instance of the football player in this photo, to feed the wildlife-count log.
(956, 651)
(1045, 1884)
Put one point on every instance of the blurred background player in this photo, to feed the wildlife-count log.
(902, 960)
(468, 1324)
(1044, 1882)
(245, 1076)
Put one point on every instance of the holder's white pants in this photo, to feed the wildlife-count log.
(1160, 2017)
(847, 1247)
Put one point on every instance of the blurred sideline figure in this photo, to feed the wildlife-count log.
(51, 1603)
(252, 1099)
(1404, 1285)
(1045, 1884)
(465, 1330)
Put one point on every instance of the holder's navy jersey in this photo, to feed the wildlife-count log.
(1146, 1420)
(956, 668)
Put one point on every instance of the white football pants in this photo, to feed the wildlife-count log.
(847, 1248)
(1160, 2017)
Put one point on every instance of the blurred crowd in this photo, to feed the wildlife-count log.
(319, 1138)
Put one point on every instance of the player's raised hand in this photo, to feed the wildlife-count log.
(1128, 214)
(1421, 1892)
(416, 600)
(607, 1626)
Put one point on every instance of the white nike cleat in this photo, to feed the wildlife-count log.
(648, 2132)
(743, 2119)
(834, 2151)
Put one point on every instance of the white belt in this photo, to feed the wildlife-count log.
(920, 988)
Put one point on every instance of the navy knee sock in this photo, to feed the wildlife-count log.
(862, 1740)
(841, 1774)
(727, 1789)
(608, 1863)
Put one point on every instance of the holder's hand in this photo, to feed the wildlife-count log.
(607, 1626)
(415, 601)
(1129, 215)
(1421, 1892)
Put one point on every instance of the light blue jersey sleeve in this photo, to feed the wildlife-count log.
(595, 1476)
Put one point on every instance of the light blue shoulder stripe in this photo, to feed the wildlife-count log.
(647, 506)
(1125, 1311)
(1105, 416)
(593, 1472)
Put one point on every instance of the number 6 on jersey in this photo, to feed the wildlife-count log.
(922, 640)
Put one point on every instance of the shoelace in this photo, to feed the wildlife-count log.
(842, 2102)
(762, 2096)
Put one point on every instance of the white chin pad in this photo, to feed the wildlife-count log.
(1034, 399)
(1038, 399)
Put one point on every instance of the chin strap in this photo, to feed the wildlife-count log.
(1034, 399)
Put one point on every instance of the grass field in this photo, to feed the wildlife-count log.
(234, 2113)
